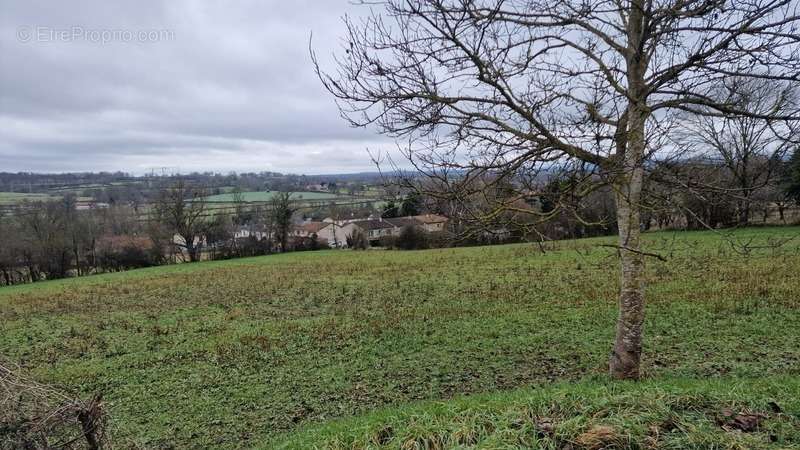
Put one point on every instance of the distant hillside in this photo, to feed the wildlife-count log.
(264, 196)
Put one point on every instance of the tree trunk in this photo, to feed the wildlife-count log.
(627, 350)
(744, 214)
(77, 255)
(191, 247)
(192, 251)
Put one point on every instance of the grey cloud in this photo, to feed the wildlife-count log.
(230, 88)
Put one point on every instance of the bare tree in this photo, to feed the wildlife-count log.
(181, 209)
(751, 149)
(240, 216)
(45, 245)
(509, 86)
(281, 210)
(790, 178)
(10, 251)
(336, 216)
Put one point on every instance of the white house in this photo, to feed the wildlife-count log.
(432, 223)
(333, 232)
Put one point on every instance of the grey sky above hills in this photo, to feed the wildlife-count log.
(139, 85)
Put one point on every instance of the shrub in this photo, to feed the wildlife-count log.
(357, 240)
(412, 238)
(387, 241)
(310, 243)
(125, 252)
(41, 417)
(439, 239)
(132, 257)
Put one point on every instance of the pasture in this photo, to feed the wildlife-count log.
(264, 196)
(13, 198)
(480, 347)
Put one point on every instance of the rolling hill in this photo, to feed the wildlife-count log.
(483, 347)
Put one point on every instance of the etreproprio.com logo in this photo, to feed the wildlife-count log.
(27, 34)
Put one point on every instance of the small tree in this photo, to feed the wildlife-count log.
(10, 251)
(390, 210)
(357, 240)
(751, 150)
(335, 215)
(506, 88)
(219, 234)
(791, 176)
(240, 215)
(281, 211)
(411, 204)
(46, 249)
(181, 209)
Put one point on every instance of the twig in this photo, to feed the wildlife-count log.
(620, 247)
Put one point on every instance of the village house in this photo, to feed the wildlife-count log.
(180, 241)
(334, 233)
(83, 205)
(403, 222)
(432, 223)
(375, 228)
(244, 232)
(319, 187)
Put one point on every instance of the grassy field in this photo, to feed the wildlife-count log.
(263, 196)
(653, 414)
(353, 350)
(12, 198)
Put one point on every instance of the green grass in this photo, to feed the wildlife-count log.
(677, 414)
(11, 198)
(264, 196)
(245, 353)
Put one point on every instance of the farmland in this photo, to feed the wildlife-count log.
(264, 196)
(12, 198)
(344, 349)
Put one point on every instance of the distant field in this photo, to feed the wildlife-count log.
(79, 188)
(264, 196)
(10, 198)
(377, 349)
(14, 198)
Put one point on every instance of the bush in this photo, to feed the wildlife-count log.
(310, 243)
(412, 238)
(387, 242)
(358, 240)
(41, 417)
(117, 253)
(439, 239)
(133, 257)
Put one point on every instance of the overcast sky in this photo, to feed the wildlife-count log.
(139, 85)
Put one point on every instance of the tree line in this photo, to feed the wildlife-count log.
(124, 188)
(53, 239)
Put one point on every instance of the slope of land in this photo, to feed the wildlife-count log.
(13, 198)
(263, 196)
(239, 353)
